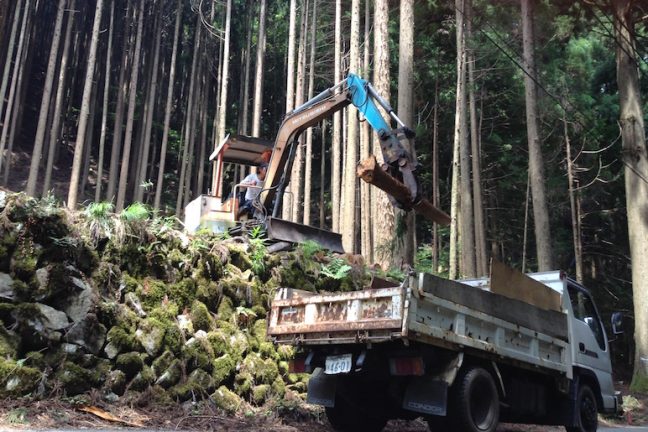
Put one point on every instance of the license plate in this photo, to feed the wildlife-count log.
(338, 364)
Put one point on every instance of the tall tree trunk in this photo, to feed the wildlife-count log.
(58, 104)
(167, 109)
(188, 126)
(88, 139)
(308, 175)
(475, 139)
(636, 180)
(536, 163)
(225, 77)
(246, 86)
(406, 108)
(34, 167)
(104, 109)
(122, 93)
(348, 210)
(146, 144)
(85, 110)
(460, 171)
(466, 226)
(382, 211)
(365, 145)
(574, 205)
(10, 50)
(290, 73)
(258, 78)
(287, 209)
(18, 70)
(297, 177)
(336, 145)
(130, 116)
(20, 92)
(435, 177)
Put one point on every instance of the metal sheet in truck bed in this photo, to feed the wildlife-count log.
(551, 323)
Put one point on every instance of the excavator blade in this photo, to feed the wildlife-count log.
(370, 171)
(283, 230)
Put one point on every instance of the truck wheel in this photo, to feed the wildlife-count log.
(347, 418)
(475, 401)
(586, 410)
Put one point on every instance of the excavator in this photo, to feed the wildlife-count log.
(218, 211)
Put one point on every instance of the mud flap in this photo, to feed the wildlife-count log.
(426, 395)
(321, 388)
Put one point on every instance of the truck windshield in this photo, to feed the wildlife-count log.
(584, 310)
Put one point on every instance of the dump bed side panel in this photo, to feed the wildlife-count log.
(453, 315)
(549, 322)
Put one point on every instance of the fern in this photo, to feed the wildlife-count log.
(310, 248)
(337, 269)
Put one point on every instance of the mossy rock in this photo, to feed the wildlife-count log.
(210, 293)
(116, 382)
(267, 350)
(239, 344)
(24, 260)
(143, 379)
(130, 363)
(226, 400)
(279, 387)
(107, 277)
(122, 340)
(260, 393)
(200, 316)
(259, 329)
(284, 367)
(182, 293)
(220, 341)
(174, 339)
(152, 292)
(17, 380)
(150, 334)
(223, 368)
(285, 352)
(8, 342)
(198, 353)
(243, 383)
(171, 375)
(225, 309)
(162, 362)
(198, 383)
(159, 397)
(75, 380)
(168, 311)
(36, 359)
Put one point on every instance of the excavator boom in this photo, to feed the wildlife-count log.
(402, 188)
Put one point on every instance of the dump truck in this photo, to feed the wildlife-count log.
(466, 355)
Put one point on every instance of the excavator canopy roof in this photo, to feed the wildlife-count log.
(241, 149)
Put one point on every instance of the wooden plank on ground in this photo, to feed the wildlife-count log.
(516, 285)
(549, 322)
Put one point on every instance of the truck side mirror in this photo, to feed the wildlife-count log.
(617, 323)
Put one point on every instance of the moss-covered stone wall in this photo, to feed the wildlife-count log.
(92, 300)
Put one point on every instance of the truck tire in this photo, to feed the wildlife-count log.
(347, 418)
(586, 411)
(474, 401)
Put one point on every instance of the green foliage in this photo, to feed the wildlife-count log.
(258, 250)
(337, 269)
(310, 248)
(135, 212)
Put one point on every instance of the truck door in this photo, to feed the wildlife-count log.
(589, 341)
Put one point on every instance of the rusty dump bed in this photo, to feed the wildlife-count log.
(374, 315)
(429, 310)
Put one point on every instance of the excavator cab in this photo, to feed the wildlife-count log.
(218, 210)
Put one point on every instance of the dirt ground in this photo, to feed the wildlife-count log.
(282, 417)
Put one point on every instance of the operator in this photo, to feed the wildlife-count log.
(251, 193)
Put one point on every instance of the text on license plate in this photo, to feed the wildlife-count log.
(338, 364)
